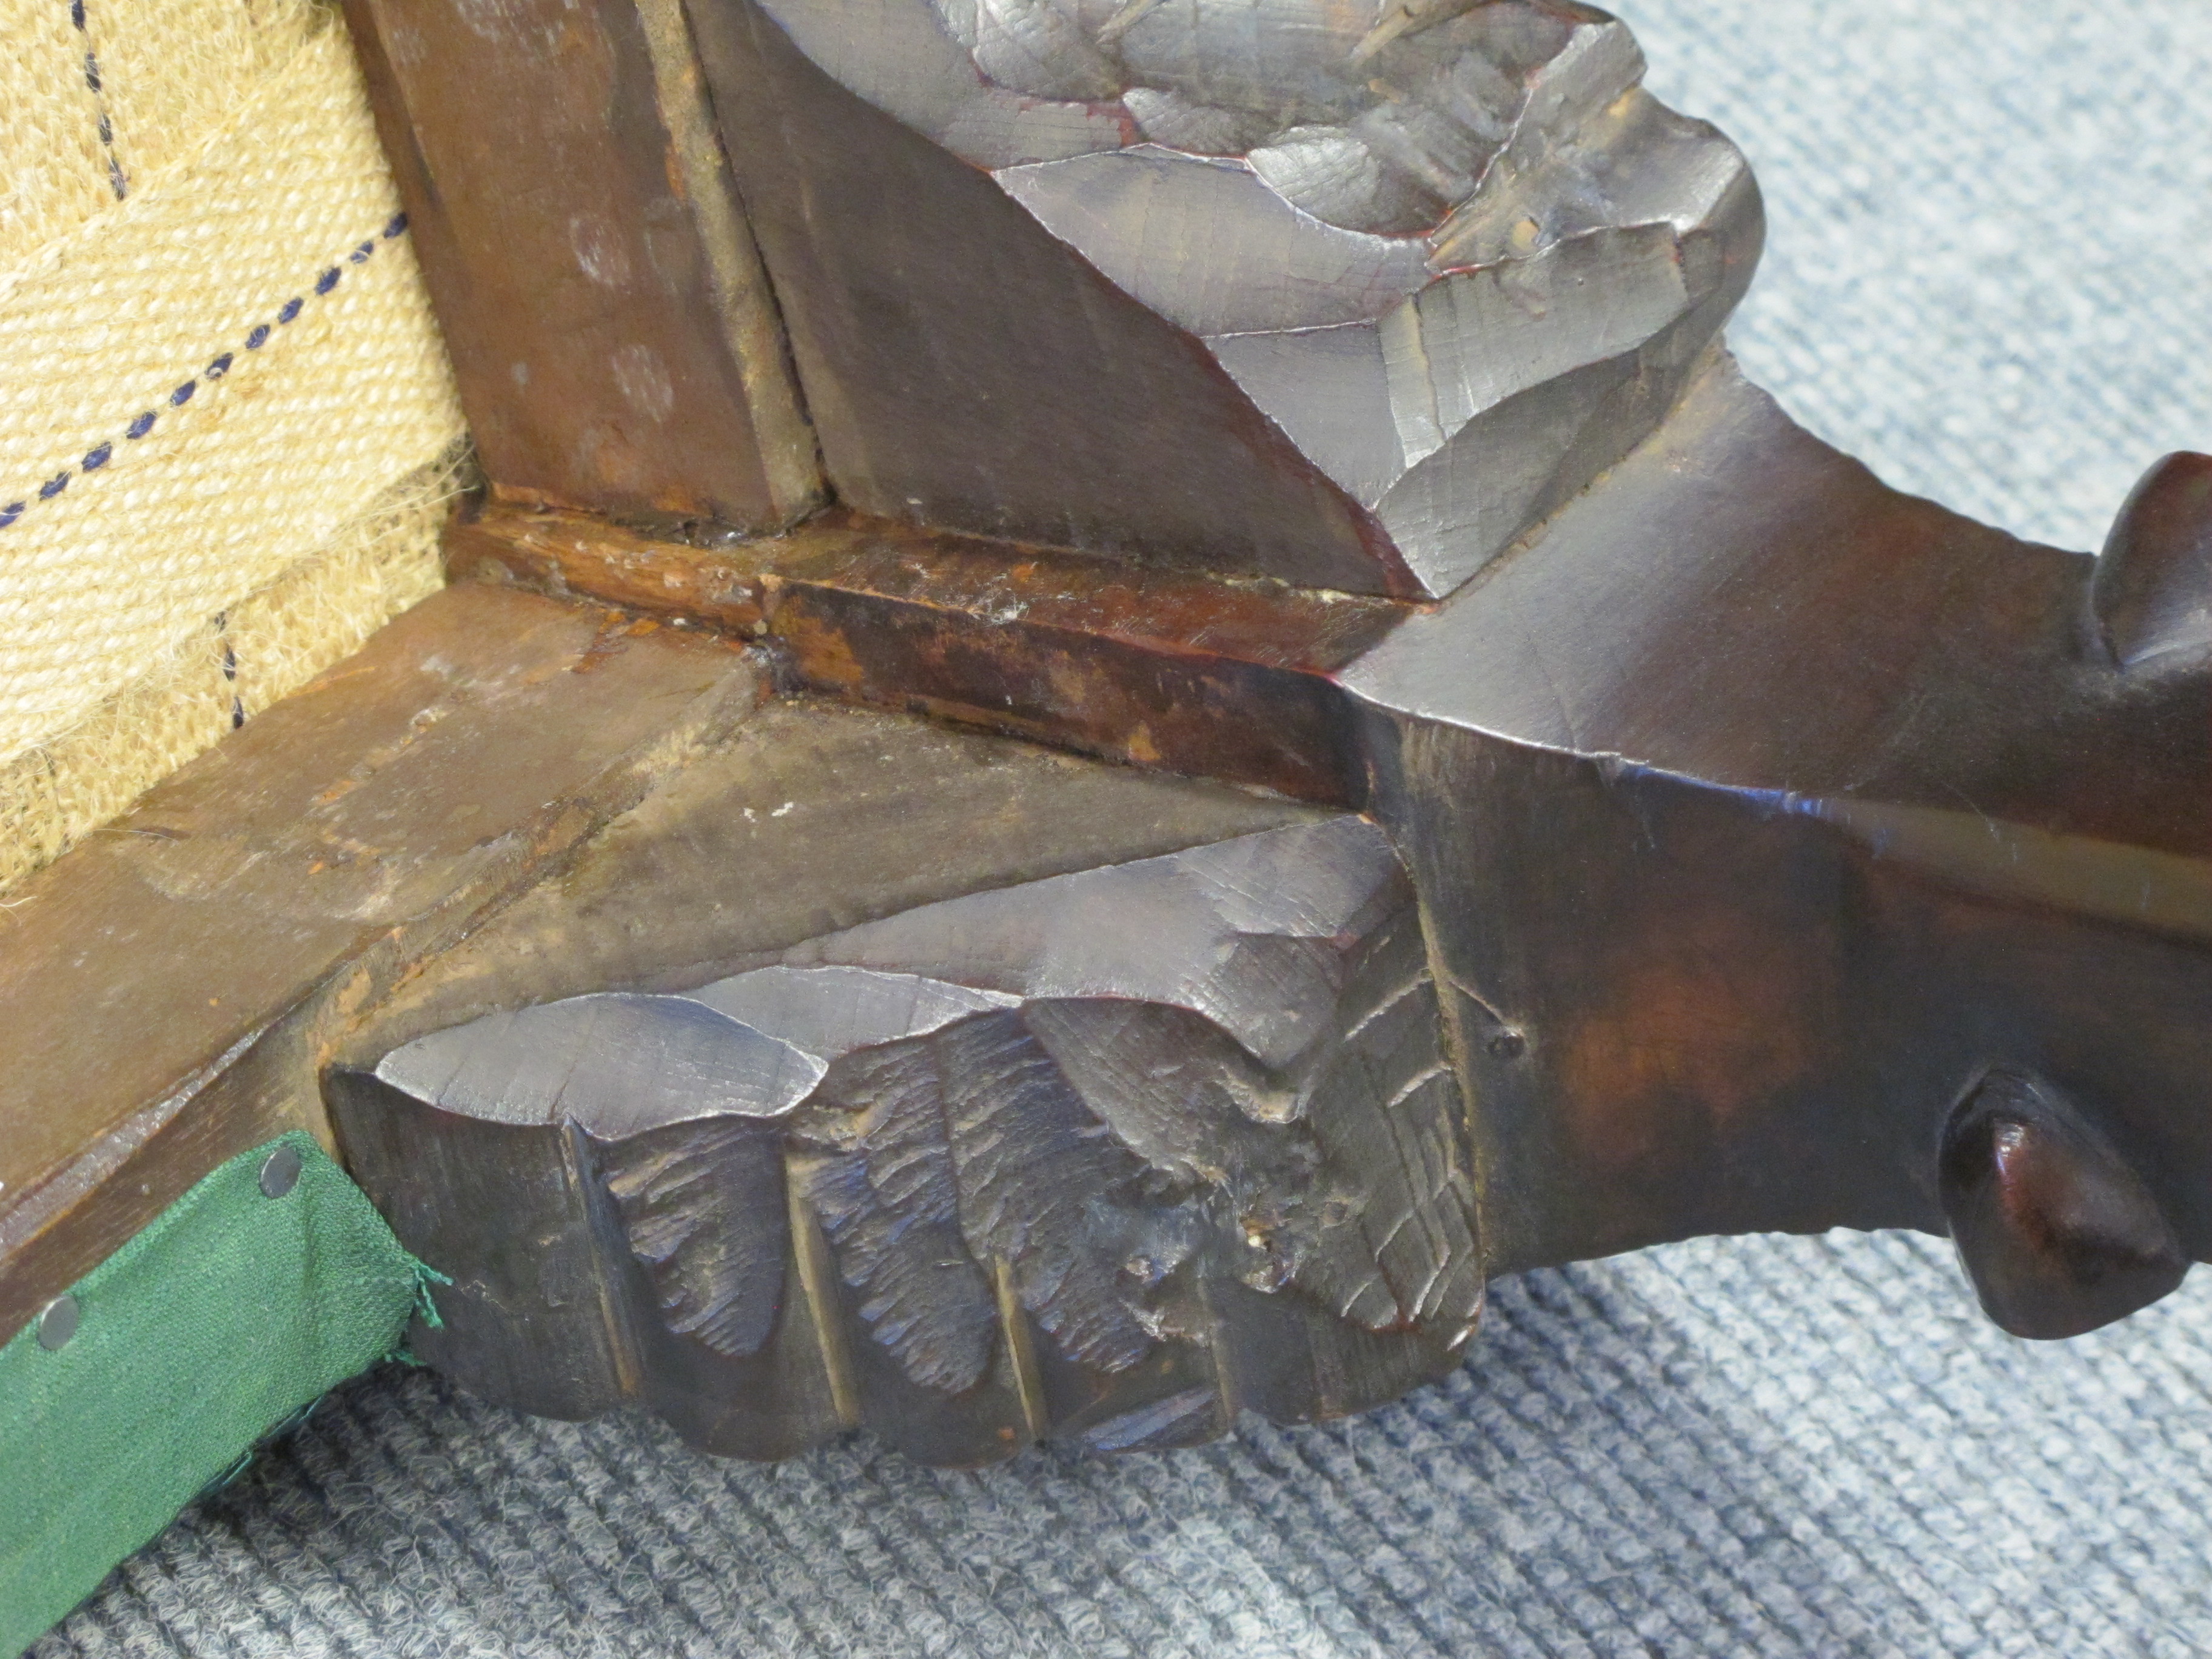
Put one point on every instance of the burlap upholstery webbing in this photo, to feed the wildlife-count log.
(227, 407)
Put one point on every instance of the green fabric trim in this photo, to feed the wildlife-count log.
(230, 1312)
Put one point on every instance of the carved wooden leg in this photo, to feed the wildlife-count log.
(1657, 825)
(1107, 1154)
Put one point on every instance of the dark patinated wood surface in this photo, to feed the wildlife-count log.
(1032, 401)
(1217, 678)
(945, 1240)
(1761, 811)
(1789, 853)
(809, 819)
(1738, 900)
(2059, 1233)
(615, 342)
(170, 989)
(1764, 811)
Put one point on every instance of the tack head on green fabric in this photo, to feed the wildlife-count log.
(265, 1286)
(57, 1323)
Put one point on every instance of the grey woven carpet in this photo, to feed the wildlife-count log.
(1990, 274)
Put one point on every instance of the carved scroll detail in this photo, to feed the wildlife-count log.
(1109, 1141)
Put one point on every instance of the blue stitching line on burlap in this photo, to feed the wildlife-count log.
(115, 179)
(257, 336)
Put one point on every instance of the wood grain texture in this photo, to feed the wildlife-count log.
(813, 818)
(1759, 811)
(170, 988)
(1106, 1156)
(1232, 680)
(1765, 813)
(966, 369)
(615, 342)
(809, 819)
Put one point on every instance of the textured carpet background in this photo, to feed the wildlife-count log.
(1990, 273)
